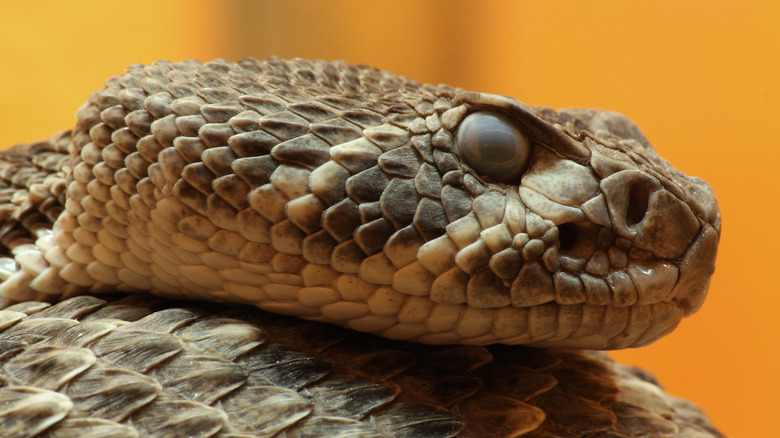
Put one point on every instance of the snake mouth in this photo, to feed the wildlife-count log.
(614, 271)
(696, 269)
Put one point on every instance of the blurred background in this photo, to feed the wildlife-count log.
(700, 77)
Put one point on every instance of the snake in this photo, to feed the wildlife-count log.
(296, 248)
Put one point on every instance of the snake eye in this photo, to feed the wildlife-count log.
(493, 146)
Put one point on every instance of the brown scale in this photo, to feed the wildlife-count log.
(254, 171)
(212, 368)
(22, 211)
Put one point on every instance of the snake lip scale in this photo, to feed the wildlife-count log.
(343, 194)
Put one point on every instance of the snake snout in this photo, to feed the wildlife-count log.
(652, 217)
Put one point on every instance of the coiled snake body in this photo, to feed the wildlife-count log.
(341, 194)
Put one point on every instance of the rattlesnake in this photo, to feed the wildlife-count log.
(347, 195)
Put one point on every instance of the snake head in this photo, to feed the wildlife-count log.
(604, 242)
(345, 194)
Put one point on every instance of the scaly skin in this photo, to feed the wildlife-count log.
(348, 195)
(145, 366)
(338, 193)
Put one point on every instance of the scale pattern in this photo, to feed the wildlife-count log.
(336, 193)
(143, 367)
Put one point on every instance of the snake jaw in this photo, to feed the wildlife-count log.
(696, 269)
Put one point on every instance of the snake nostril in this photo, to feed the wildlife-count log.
(638, 201)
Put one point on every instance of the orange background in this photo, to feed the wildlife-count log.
(700, 77)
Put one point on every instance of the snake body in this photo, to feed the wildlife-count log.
(347, 195)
